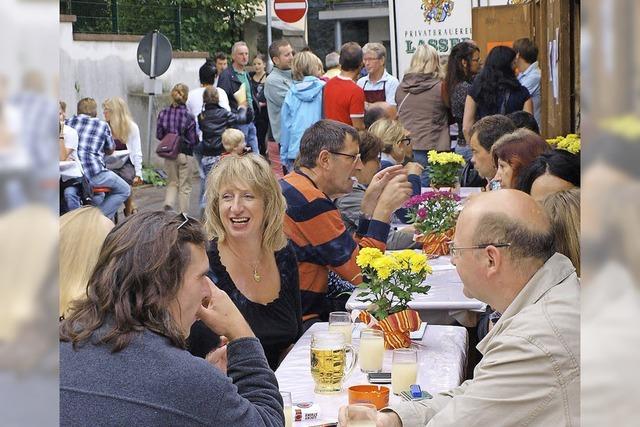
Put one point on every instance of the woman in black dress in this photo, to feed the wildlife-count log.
(249, 255)
(261, 118)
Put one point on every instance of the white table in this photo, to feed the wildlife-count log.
(442, 360)
(445, 301)
(463, 193)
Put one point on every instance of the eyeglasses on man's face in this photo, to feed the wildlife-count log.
(455, 250)
(354, 157)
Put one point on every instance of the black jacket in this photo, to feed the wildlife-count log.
(229, 82)
(213, 121)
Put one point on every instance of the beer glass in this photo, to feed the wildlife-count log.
(404, 369)
(371, 351)
(361, 415)
(340, 321)
(329, 361)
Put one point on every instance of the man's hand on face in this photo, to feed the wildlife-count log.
(223, 317)
(397, 191)
(375, 188)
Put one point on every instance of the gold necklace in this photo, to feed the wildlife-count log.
(256, 275)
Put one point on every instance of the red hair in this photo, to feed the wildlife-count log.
(519, 149)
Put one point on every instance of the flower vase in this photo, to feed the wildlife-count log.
(453, 187)
(435, 244)
(397, 327)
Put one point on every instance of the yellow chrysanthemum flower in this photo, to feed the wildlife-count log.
(419, 264)
(366, 256)
(403, 257)
(444, 158)
(384, 266)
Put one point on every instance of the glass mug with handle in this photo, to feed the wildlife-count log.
(329, 361)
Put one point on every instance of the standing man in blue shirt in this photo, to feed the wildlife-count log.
(529, 77)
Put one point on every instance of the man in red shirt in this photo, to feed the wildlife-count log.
(343, 98)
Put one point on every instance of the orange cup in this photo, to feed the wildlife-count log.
(377, 395)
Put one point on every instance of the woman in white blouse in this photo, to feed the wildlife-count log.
(126, 134)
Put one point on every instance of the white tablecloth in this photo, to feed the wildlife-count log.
(442, 360)
(445, 300)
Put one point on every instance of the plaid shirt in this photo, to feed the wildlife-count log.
(178, 120)
(94, 138)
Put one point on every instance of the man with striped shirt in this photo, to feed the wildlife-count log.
(329, 155)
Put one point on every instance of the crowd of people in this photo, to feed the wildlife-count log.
(166, 299)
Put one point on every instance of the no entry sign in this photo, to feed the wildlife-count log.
(290, 10)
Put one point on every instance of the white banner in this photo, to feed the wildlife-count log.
(439, 23)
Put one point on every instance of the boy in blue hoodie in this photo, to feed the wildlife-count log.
(302, 106)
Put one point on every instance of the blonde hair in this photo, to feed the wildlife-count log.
(82, 232)
(563, 208)
(389, 131)
(255, 172)
(180, 94)
(120, 118)
(231, 138)
(425, 60)
(305, 64)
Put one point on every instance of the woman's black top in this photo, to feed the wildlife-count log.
(277, 324)
(505, 105)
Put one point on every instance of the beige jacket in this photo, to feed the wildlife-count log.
(530, 371)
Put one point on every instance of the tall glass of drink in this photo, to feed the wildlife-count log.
(404, 369)
(287, 408)
(371, 351)
(340, 321)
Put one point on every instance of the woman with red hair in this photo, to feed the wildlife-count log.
(513, 153)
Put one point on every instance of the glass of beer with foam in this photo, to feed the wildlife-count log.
(329, 367)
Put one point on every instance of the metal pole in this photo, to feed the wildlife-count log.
(152, 75)
(149, 129)
(338, 35)
(269, 35)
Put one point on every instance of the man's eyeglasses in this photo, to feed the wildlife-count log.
(406, 140)
(455, 250)
(185, 219)
(354, 157)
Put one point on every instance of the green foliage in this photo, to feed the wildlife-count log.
(204, 25)
(150, 176)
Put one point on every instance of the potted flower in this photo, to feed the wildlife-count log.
(390, 280)
(570, 143)
(445, 169)
(433, 215)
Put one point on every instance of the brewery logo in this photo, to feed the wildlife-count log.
(436, 10)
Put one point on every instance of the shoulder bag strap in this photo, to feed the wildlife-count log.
(402, 103)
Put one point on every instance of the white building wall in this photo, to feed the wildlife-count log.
(103, 69)
(379, 29)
